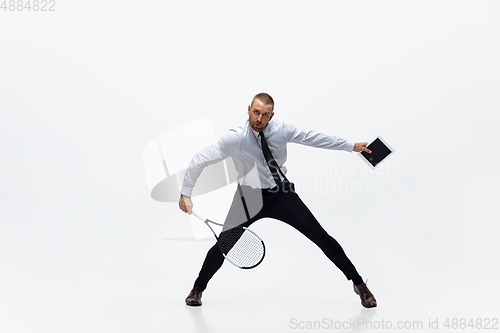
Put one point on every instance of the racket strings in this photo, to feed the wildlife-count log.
(242, 247)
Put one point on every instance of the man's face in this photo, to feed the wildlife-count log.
(259, 114)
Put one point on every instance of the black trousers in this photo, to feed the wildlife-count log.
(282, 204)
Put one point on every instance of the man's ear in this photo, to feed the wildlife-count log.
(271, 116)
(248, 110)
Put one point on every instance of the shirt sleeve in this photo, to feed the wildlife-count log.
(211, 154)
(316, 139)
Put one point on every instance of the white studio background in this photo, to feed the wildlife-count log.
(84, 88)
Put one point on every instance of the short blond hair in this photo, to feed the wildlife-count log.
(264, 98)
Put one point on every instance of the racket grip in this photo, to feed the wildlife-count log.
(198, 215)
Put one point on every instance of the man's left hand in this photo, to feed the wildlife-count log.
(361, 146)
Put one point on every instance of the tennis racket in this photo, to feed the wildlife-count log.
(239, 245)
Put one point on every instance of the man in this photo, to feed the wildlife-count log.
(259, 152)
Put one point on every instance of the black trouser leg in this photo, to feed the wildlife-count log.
(213, 261)
(285, 206)
(290, 209)
(236, 216)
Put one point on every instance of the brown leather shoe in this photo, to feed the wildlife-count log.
(367, 298)
(194, 297)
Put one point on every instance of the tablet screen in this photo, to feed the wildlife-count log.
(380, 150)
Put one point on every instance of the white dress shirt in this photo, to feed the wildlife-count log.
(243, 144)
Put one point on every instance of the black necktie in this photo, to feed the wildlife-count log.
(271, 163)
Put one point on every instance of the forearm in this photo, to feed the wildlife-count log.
(207, 156)
(318, 139)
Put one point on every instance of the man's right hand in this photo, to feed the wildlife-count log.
(185, 204)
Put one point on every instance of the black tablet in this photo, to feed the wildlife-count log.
(380, 151)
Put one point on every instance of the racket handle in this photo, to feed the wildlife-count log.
(198, 215)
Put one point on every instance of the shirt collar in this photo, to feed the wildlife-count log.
(265, 131)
